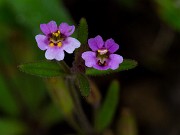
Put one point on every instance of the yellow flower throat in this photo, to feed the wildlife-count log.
(55, 39)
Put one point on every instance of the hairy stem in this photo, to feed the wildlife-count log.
(78, 108)
(79, 111)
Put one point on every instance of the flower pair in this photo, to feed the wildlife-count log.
(56, 40)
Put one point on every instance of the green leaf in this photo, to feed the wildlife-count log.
(126, 65)
(42, 69)
(12, 127)
(83, 31)
(105, 114)
(169, 11)
(83, 84)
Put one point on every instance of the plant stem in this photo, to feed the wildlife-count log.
(79, 111)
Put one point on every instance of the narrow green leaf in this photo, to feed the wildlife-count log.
(106, 112)
(12, 127)
(83, 31)
(83, 84)
(126, 65)
(42, 69)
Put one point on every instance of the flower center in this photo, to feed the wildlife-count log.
(102, 56)
(56, 39)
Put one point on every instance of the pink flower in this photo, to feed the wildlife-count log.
(56, 40)
(101, 57)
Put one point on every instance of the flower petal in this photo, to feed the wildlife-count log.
(114, 61)
(60, 55)
(70, 44)
(66, 29)
(90, 58)
(52, 26)
(96, 43)
(51, 53)
(44, 28)
(111, 45)
(42, 42)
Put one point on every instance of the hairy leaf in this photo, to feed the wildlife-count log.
(42, 69)
(83, 31)
(82, 37)
(83, 84)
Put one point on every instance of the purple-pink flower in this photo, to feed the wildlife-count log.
(101, 57)
(56, 40)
